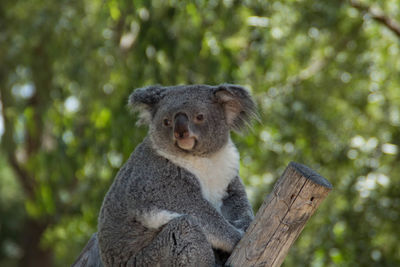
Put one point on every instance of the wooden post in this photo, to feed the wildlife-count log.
(281, 218)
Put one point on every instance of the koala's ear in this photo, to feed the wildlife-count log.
(238, 105)
(143, 100)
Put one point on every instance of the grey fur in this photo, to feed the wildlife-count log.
(90, 255)
(157, 211)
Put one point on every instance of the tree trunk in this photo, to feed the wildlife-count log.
(33, 254)
(281, 218)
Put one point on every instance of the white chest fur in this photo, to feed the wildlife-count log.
(214, 173)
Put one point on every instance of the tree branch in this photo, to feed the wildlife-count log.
(378, 15)
(25, 179)
(281, 218)
(318, 65)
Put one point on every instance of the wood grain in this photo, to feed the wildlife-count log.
(281, 218)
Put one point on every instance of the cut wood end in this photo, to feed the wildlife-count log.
(310, 174)
(281, 218)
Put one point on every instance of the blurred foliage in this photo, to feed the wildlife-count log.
(325, 76)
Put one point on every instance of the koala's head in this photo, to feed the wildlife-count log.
(192, 119)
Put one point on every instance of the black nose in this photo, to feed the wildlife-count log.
(181, 126)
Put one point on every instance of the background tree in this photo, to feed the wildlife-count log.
(325, 75)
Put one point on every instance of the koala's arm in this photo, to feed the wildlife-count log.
(219, 232)
(236, 207)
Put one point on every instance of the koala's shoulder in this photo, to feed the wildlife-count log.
(144, 161)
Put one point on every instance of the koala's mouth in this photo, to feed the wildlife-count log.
(186, 144)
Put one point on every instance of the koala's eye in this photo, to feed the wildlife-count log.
(167, 122)
(200, 117)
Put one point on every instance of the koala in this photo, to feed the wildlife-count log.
(178, 200)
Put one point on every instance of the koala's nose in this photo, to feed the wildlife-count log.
(181, 126)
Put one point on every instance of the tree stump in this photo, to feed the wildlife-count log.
(281, 218)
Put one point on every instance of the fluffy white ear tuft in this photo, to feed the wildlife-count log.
(143, 100)
(239, 107)
(144, 117)
(231, 105)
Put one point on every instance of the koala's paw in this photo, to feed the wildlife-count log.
(241, 233)
(239, 236)
(235, 238)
